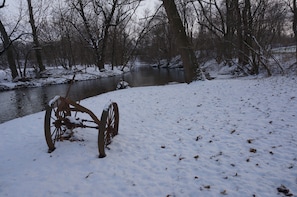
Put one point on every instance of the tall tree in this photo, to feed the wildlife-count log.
(37, 47)
(191, 67)
(230, 29)
(7, 47)
(108, 16)
(294, 10)
(91, 36)
(248, 33)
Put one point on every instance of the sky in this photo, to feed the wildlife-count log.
(10, 14)
(12, 6)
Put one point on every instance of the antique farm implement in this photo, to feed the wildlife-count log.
(61, 117)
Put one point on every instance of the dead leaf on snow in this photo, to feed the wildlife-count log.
(224, 192)
(196, 157)
(181, 158)
(283, 189)
(253, 150)
(199, 137)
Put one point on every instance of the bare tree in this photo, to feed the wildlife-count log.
(92, 35)
(37, 47)
(7, 47)
(294, 11)
(190, 64)
(97, 34)
(108, 16)
(120, 40)
(219, 24)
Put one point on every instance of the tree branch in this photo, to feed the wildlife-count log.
(11, 42)
(3, 4)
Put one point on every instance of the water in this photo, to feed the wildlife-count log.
(18, 103)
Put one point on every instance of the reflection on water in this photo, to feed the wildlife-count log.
(18, 103)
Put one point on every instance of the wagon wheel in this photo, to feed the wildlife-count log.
(54, 126)
(109, 125)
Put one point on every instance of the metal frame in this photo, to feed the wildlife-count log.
(59, 121)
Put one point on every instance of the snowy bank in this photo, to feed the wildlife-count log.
(213, 138)
(56, 75)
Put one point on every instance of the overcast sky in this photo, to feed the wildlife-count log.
(11, 8)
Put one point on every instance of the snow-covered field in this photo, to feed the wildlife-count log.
(233, 137)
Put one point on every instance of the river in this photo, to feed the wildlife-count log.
(22, 102)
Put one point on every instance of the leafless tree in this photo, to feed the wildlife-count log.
(190, 64)
(293, 7)
(120, 41)
(37, 47)
(242, 28)
(7, 47)
(97, 33)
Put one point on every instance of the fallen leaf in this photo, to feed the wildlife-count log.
(283, 189)
(181, 158)
(253, 150)
(224, 192)
(196, 157)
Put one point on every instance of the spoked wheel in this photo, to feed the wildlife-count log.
(54, 126)
(109, 125)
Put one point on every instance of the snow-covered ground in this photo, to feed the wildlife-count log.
(56, 75)
(233, 137)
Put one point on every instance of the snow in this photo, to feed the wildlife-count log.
(74, 120)
(57, 75)
(53, 100)
(122, 85)
(234, 137)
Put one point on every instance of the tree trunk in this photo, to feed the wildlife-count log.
(94, 42)
(107, 24)
(228, 37)
(295, 23)
(240, 53)
(37, 47)
(247, 19)
(9, 52)
(191, 67)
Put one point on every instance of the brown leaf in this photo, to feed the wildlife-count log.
(181, 158)
(196, 157)
(224, 192)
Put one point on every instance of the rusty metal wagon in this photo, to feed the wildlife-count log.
(61, 117)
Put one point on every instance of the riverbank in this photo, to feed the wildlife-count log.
(282, 61)
(234, 137)
(56, 75)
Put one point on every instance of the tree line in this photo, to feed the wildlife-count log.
(95, 32)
